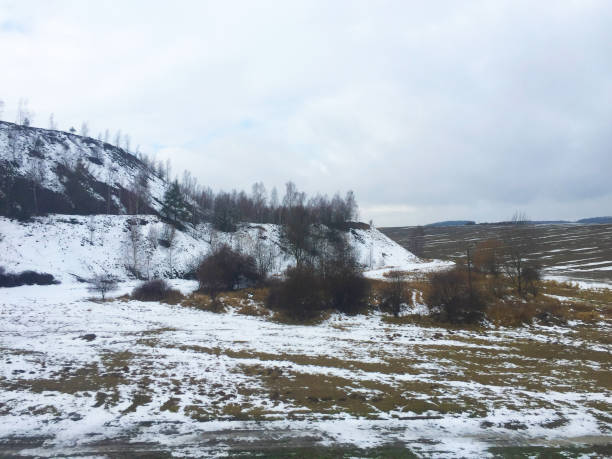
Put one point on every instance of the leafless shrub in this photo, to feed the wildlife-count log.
(394, 293)
(226, 269)
(453, 292)
(156, 290)
(103, 284)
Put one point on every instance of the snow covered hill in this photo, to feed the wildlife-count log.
(87, 187)
(72, 174)
(69, 245)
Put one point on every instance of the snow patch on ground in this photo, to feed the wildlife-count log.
(197, 359)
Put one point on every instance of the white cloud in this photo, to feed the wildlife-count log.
(428, 111)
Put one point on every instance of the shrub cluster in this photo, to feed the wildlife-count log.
(226, 269)
(25, 278)
(333, 282)
(156, 290)
(300, 294)
(455, 294)
(394, 294)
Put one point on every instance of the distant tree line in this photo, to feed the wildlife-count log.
(186, 201)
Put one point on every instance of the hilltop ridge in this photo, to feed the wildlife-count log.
(47, 171)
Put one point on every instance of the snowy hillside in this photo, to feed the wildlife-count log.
(52, 158)
(88, 186)
(68, 246)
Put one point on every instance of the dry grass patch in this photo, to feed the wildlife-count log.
(332, 395)
(282, 317)
(203, 302)
(103, 380)
(245, 302)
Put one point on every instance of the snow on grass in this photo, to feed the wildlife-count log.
(176, 375)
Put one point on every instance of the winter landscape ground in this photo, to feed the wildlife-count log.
(126, 378)
(123, 378)
(197, 376)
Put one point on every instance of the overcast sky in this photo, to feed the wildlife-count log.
(427, 110)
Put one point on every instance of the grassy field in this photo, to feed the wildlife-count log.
(157, 379)
(575, 251)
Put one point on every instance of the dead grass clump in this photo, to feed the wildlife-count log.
(331, 395)
(251, 310)
(587, 316)
(511, 313)
(203, 303)
(284, 317)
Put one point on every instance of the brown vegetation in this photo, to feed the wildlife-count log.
(226, 269)
(157, 290)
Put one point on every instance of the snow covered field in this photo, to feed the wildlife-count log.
(84, 377)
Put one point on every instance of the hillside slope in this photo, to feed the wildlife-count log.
(47, 171)
(78, 246)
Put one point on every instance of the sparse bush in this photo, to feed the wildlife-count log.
(488, 256)
(8, 279)
(103, 284)
(393, 294)
(301, 294)
(454, 293)
(346, 288)
(513, 313)
(226, 269)
(156, 290)
(531, 279)
(334, 283)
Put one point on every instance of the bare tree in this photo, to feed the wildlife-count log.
(13, 143)
(91, 228)
(274, 205)
(36, 175)
(106, 136)
(52, 124)
(118, 139)
(168, 238)
(153, 237)
(139, 192)
(152, 242)
(126, 140)
(394, 294)
(258, 195)
(133, 247)
(352, 210)
(24, 115)
(488, 256)
(103, 284)
(1, 108)
(264, 253)
(168, 169)
(371, 248)
(84, 129)
(293, 197)
(518, 245)
(110, 181)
